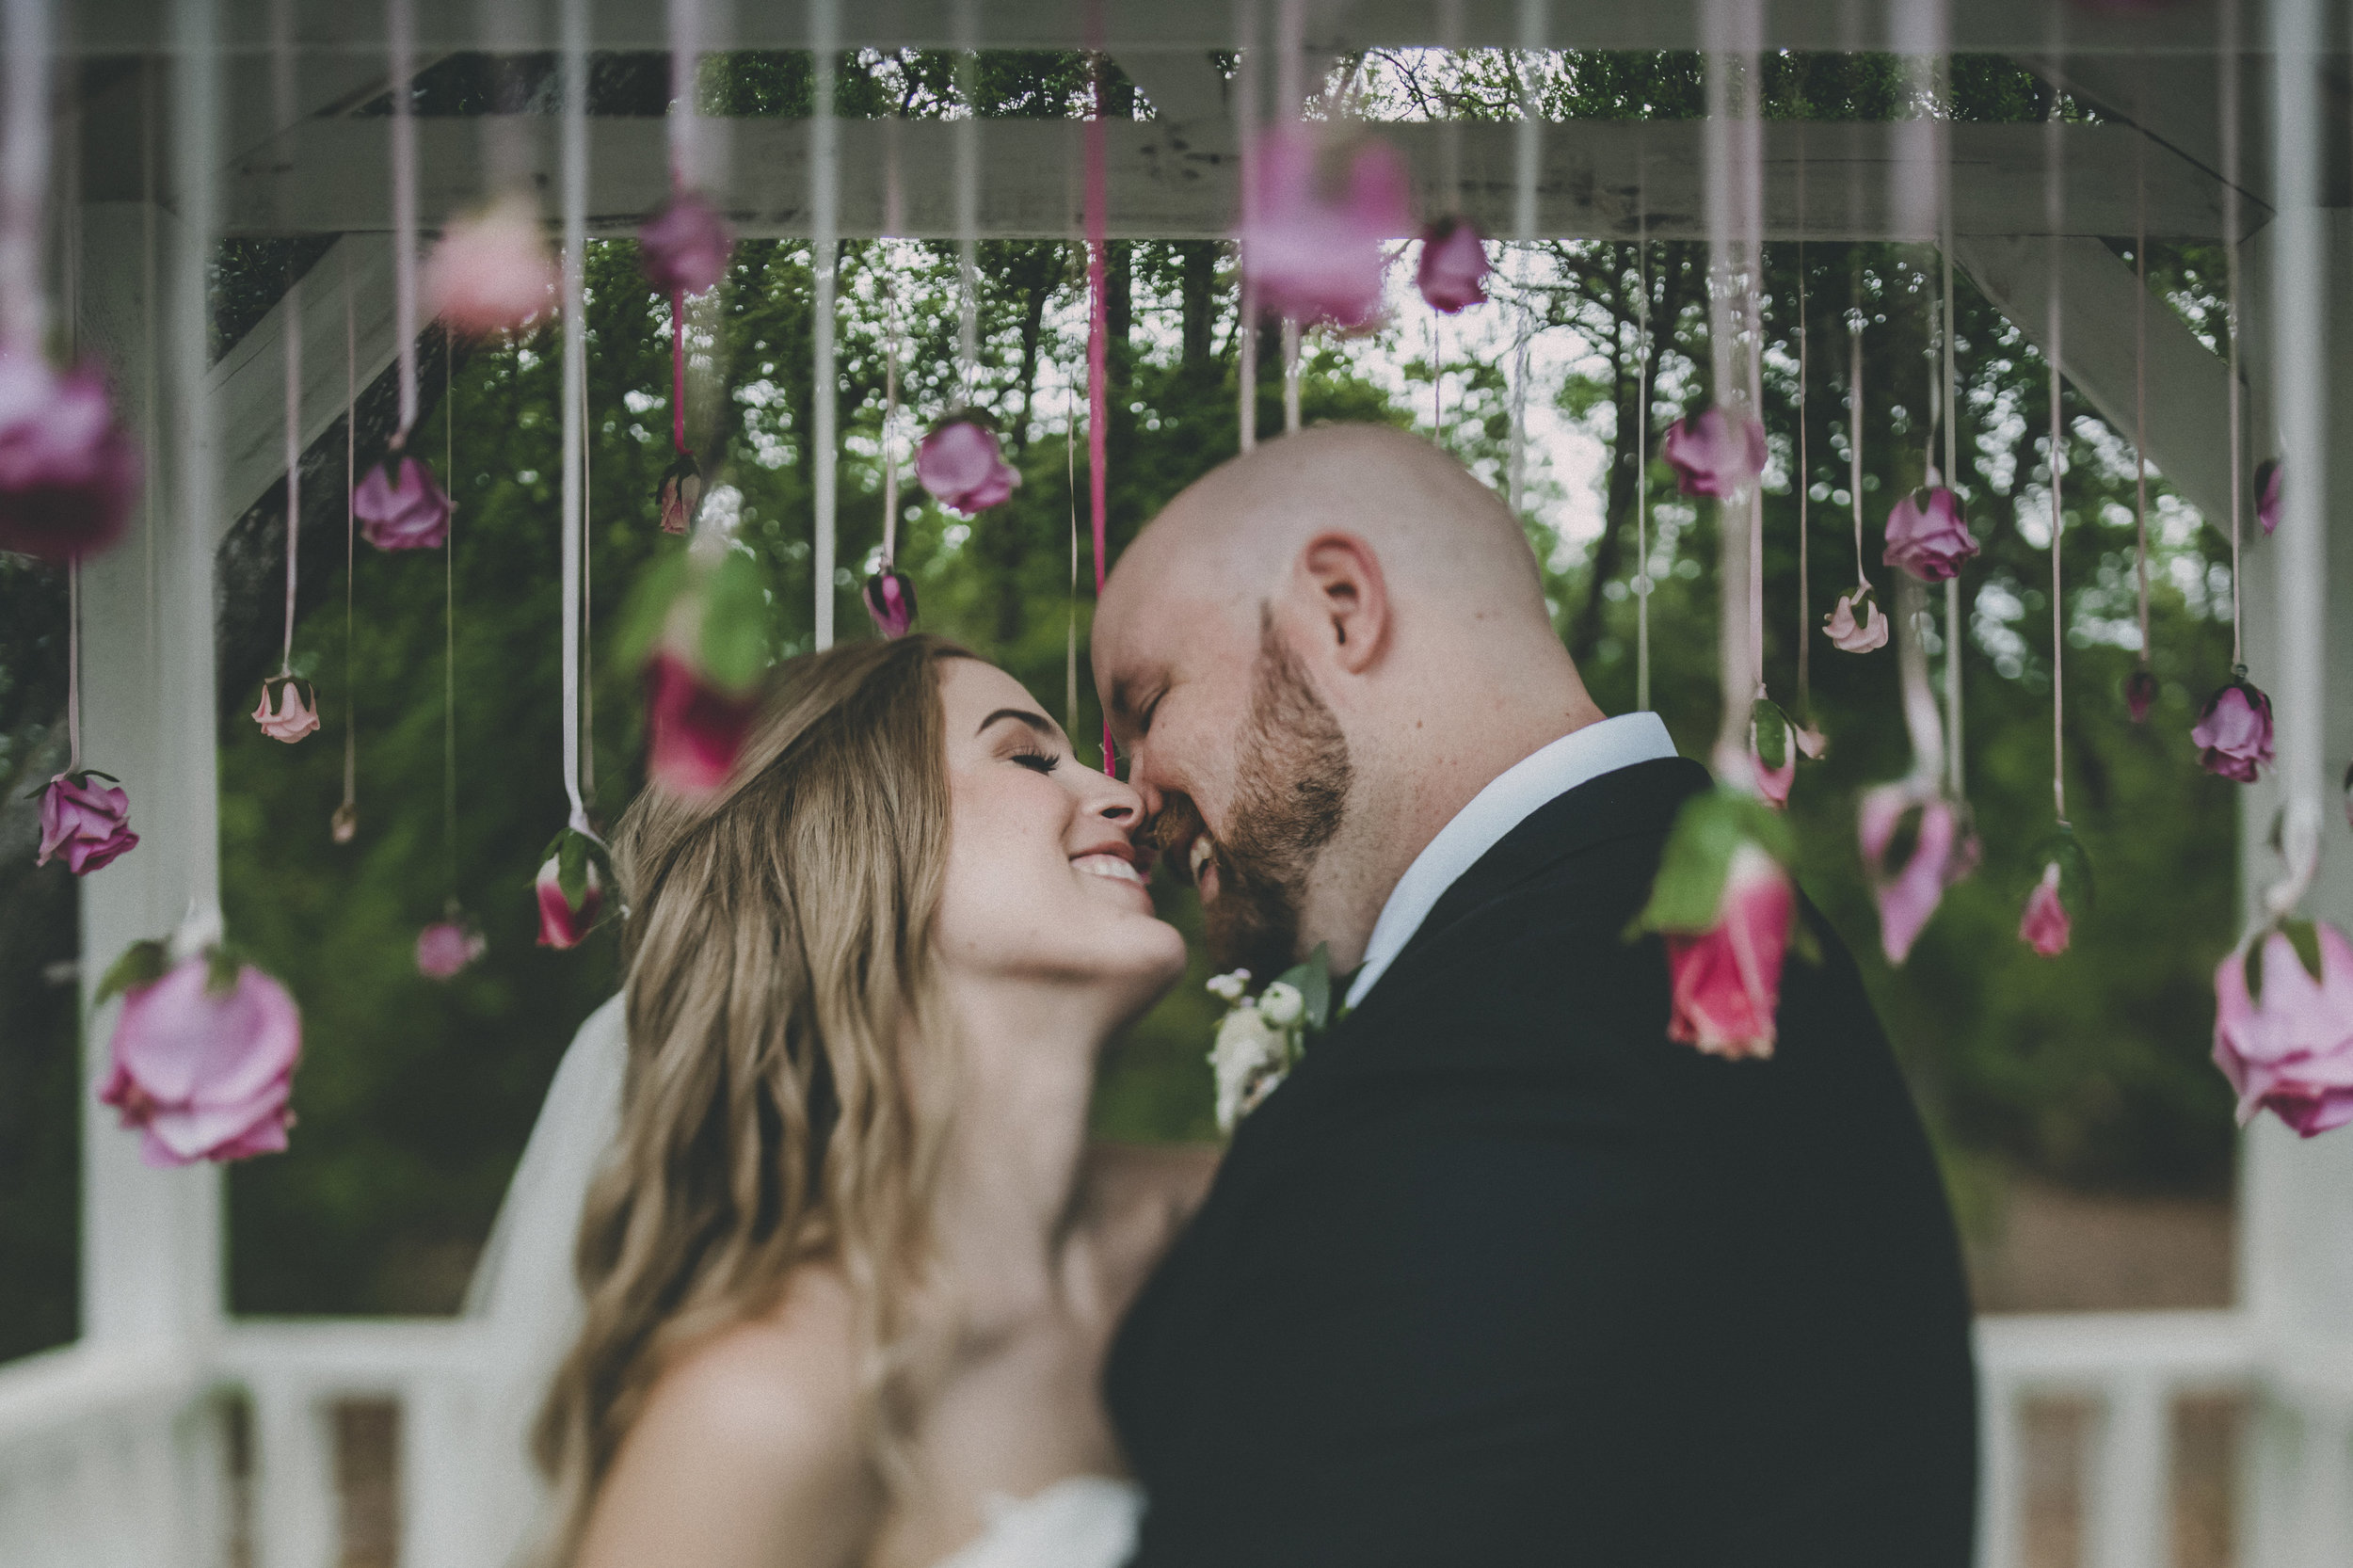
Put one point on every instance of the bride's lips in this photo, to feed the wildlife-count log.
(1110, 868)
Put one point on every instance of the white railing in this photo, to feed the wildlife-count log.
(116, 1457)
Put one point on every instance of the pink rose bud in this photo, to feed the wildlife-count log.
(1812, 742)
(1935, 856)
(890, 603)
(697, 728)
(2140, 694)
(1312, 237)
(2283, 1038)
(89, 823)
(203, 1062)
(2233, 734)
(67, 469)
(445, 948)
(1453, 270)
(2044, 926)
(1925, 536)
(562, 922)
(297, 713)
(492, 271)
(403, 508)
(679, 498)
(1727, 980)
(684, 246)
(960, 463)
(1850, 634)
(2267, 496)
(1713, 458)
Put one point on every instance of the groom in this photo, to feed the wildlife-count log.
(1500, 1274)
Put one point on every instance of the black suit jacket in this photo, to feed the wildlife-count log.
(1503, 1275)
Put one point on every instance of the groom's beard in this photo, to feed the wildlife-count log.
(1290, 789)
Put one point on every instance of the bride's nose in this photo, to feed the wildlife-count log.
(1114, 801)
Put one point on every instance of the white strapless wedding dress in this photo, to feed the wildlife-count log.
(1078, 1522)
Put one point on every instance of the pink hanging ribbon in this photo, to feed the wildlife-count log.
(1099, 325)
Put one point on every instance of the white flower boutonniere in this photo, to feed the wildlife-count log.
(1262, 1038)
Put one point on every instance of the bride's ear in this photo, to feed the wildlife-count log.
(1349, 598)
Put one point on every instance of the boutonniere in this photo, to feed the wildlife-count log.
(1262, 1037)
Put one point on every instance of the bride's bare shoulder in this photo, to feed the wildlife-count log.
(749, 1449)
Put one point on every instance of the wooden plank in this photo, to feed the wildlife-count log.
(1175, 179)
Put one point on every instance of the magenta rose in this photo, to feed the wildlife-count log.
(1453, 271)
(400, 507)
(890, 603)
(2283, 1037)
(492, 271)
(963, 468)
(1908, 870)
(2044, 924)
(1313, 237)
(2140, 694)
(1727, 980)
(202, 1062)
(696, 726)
(88, 824)
(1713, 458)
(565, 920)
(679, 498)
(2233, 733)
(67, 469)
(445, 948)
(1925, 536)
(684, 246)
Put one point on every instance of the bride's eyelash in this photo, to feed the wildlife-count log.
(1037, 761)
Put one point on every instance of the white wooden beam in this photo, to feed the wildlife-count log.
(1175, 179)
(2189, 386)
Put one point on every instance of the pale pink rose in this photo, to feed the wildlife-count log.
(1812, 742)
(445, 948)
(2044, 925)
(2291, 1052)
(492, 271)
(402, 510)
(1942, 855)
(684, 246)
(1312, 236)
(1713, 458)
(562, 924)
(1727, 980)
(1925, 536)
(694, 729)
(205, 1074)
(890, 603)
(1773, 783)
(2233, 734)
(1453, 270)
(1850, 635)
(68, 467)
(960, 463)
(90, 824)
(297, 713)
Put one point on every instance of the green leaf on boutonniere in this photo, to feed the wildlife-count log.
(1312, 980)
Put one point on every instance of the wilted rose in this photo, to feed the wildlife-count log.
(2267, 496)
(297, 713)
(88, 824)
(2044, 925)
(679, 498)
(890, 603)
(1453, 271)
(492, 271)
(403, 508)
(2140, 694)
(695, 727)
(1315, 219)
(684, 246)
(562, 921)
(1852, 636)
(1925, 536)
(445, 948)
(961, 465)
(202, 1062)
(2233, 733)
(1909, 872)
(68, 467)
(1727, 980)
(2283, 1038)
(1714, 457)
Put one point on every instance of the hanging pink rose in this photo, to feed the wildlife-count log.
(684, 246)
(2233, 734)
(492, 271)
(890, 603)
(1727, 980)
(2140, 694)
(297, 713)
(1453, 270)
(1851, 635)
(1939, 855)
(960, 463)
(2044, 925)
(89, 823)
(403, 508)
(67, 469)
(445, 948)
(679, 499)
(1773, 783)
(1925, 536)
(2285, 1042)
(1711, 457)
(203, 1060)
(1774, 748)
(1311, 239)
(2267, 496)
(566, 917)
(697, 728)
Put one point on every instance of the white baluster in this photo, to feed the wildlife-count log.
(2127, 1516)
(2000, 1519)
(295, 1522)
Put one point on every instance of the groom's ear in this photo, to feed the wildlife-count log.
(1351, 602)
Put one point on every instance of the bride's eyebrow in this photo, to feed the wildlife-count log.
(1039, 722)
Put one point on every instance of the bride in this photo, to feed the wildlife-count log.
(850, 1268)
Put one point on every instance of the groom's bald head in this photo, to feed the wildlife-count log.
(1318, 652)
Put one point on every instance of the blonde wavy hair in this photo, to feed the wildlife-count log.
(786, 1097)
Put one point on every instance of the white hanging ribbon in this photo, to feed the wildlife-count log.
(825, 223)
(294, 460)
(400, 18)
(2054, 207)
(574, 24)
(26, 26)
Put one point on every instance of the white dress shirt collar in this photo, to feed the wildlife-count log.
(1509, 799)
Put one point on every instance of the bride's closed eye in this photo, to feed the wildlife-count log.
(1036, 761)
